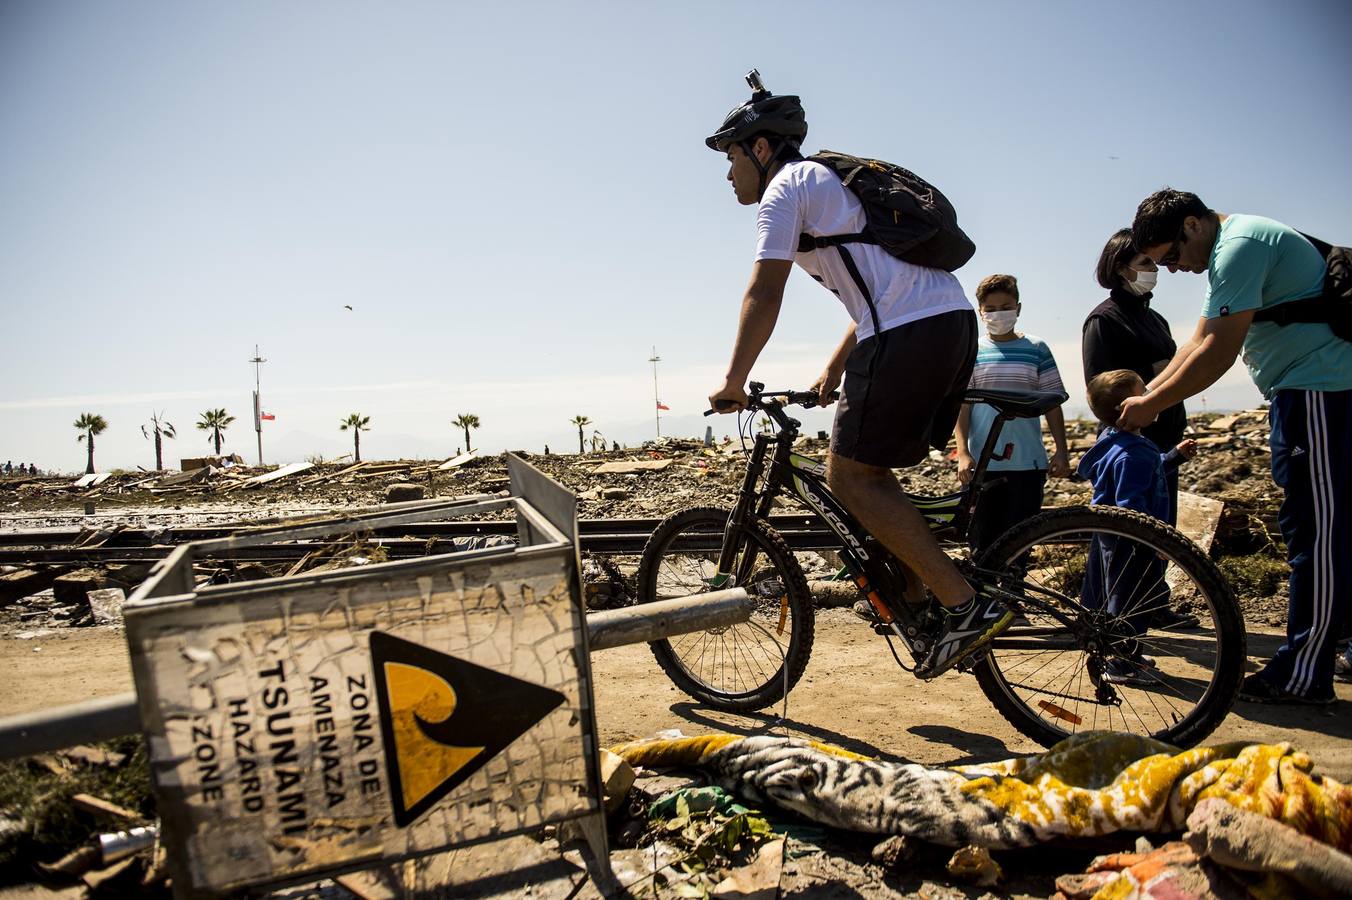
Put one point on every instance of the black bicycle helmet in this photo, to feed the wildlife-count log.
(764, 113)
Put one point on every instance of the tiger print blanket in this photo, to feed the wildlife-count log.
(1089, 784)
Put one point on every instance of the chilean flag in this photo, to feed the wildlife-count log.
(267, 417)
(660, 405)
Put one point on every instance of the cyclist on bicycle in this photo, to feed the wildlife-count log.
(903, 380)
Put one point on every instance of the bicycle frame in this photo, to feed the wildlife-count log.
(875, 571)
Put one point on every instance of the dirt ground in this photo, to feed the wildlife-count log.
(852, 695)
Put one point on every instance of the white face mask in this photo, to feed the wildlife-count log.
(1000, 321)
(1144, 283)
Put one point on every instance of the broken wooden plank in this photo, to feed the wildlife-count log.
(371, 885)
(625, 467)
(383, 473)
(285, 471)
(97, 805)
(94, 756)
(187, 477)
(375, 468)
(330, 476)
(457, 461)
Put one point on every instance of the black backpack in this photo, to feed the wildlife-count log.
(1333, 305)
(905, 214)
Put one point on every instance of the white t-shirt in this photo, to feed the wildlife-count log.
(808, 197)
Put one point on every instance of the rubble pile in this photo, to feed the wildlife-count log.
(650, 482)
(324, 482)
(647, 482)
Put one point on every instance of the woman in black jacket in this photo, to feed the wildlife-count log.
(1123, 332)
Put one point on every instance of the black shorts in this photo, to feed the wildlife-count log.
(903, 389)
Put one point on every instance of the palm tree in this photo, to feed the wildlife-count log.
(358, 423)
(215, 421)
(580, 421)
(161, 429)
(467, 421)
(89, 425)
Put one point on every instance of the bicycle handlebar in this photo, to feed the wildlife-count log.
(757, 394)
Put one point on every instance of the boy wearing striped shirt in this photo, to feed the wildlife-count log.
(1008, 360)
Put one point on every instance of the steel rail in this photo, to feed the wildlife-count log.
(605, 536)
(132, 537)
(395, 548)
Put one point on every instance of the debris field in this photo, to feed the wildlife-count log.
(54, 807)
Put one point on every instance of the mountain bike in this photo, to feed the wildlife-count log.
(1083, 582)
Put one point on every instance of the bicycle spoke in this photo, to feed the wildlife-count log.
(1109, 574)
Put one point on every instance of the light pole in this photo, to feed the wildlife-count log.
(258, 361)
(657, 403)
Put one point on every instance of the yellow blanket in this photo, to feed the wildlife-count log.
(1089, 784)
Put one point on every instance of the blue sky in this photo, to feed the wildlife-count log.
(516, 201)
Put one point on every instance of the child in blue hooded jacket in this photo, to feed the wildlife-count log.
(1127, 470)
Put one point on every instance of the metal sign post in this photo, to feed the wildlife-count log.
(304, 726)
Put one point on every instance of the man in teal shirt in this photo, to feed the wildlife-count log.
(1305, 372)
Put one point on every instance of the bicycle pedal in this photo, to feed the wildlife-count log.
(968, 663)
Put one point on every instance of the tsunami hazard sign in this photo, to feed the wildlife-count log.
(304, 726)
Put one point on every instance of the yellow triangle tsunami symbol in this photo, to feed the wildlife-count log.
(418, 695)
(443, 718)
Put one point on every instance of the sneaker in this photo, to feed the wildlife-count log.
(1255, 690)
(864, 610)
(963, 631)
(1342, 668)
(1170, 619)
(1132, 672)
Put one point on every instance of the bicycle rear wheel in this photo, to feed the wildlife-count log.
(740, 667)
(1088, 582)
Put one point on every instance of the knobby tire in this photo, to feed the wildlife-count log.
(700, 664)
(1049, 694)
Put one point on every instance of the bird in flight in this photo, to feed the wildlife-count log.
(347, 306)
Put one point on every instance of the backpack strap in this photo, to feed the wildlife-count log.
(1318, 308)
(858, 277)
(1307, 309)
(807, 242)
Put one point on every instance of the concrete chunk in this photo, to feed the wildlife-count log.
(403, 492)
(74, 587)
(106, 605)
(23, 582)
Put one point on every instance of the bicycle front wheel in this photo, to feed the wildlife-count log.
(1088, 654)
(739, 667)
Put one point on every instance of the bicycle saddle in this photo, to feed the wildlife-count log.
(1018, 404)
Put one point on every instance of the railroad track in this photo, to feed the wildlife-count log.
(57, 546)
